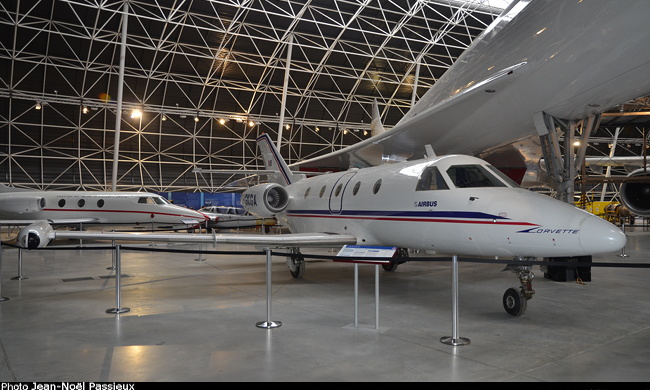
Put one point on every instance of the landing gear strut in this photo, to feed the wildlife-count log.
(296, 263)
(392, 266)
(515, 299)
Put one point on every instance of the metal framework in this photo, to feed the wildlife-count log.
(208, 78)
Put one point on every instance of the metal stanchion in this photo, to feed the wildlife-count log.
(20, 266)
(623, 250)
(454, 339)
(268, 324)
(356, 295)
(377, 296)
(2, 299)
(112, 267)
(200, 258)
(118, 285)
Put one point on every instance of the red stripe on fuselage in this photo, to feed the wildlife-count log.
(124, 211)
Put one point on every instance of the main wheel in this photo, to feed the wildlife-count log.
(514, 301)
(296, 264)
(390, 267)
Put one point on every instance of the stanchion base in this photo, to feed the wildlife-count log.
(199, 259)
(2, 299)
(20, 278)
(452, 341)
(118, 310)
(111, 268)
(623, 255)
(269, 325)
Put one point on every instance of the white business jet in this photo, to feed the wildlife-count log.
(22, 206)
(539, 61)
(450, 204)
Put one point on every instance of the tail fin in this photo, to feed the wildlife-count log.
(273, 161)
(376, 127)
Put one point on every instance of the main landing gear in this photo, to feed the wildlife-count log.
(296, 263)
(392, 266)
(515, 299)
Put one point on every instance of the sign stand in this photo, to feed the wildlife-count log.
(373, 253)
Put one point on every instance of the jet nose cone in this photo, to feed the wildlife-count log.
(599, 236)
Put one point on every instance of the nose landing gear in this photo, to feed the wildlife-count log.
(515, 299)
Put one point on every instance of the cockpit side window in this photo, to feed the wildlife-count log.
(160, 200)
(503, 176)
(431, 179)
(468, 176)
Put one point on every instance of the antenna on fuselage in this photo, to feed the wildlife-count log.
(429, 151)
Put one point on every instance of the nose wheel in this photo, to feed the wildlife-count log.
(515, 299)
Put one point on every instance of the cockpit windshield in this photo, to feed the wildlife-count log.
(160, 200)
(468, 176)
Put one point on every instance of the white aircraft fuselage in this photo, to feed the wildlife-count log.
(388, 206)
(114, 208)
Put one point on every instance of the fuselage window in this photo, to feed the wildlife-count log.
(61, 202)
(376, 187)
(307, 192)
(142, 199)
(322, 192)
(356, 188)
(431, 179)
(81, 203)
(338, 189)
(100, 203)
(468, 176)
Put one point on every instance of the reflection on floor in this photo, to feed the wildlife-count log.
(193, 318)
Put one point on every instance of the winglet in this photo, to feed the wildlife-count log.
(273, 161)
(376, 127)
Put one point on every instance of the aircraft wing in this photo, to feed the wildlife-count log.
(261, 240)
(407, 139)
(533, 58)
(69, 221)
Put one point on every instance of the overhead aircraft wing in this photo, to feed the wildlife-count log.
(407, 139)
(533, 58)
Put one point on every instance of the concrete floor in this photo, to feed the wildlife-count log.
(195, 320)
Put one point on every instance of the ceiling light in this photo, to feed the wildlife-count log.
(38, 106)
(222, 121)
(164, 117)
(137, 113)
(84, 110)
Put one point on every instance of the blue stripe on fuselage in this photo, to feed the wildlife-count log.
(395, 213)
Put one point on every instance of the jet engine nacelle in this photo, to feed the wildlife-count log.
(23, 204)
(265, 200)
(636, 195)
(36, 235)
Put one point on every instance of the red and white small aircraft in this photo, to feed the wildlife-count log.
(22, 206)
